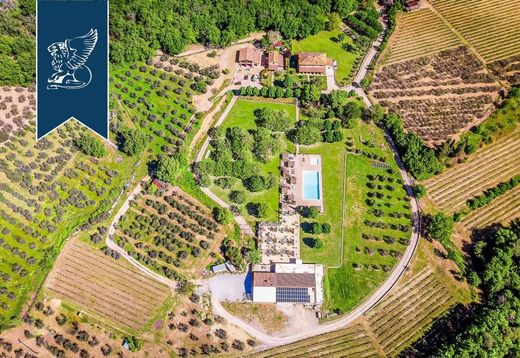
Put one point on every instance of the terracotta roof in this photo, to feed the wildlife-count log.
(273, 279)
(275, 57)
(250, 54)
(312, 59)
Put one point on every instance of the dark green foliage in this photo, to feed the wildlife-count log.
(439, 227)
(273, 120)
(168, 169)
(256, 183)
(132, 141)
(139, 27)
(313, 242)
(237, 196)
(365, 22)
(258, 210)
(17, 45)
(307, 134)
(493, 330)
(221, 215)
(420, 160)
(134, 344)
(492, 193)
(419, 190)
(90, 145)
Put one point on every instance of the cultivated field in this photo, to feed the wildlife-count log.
(492, 27)
(507, 69)
(385, 330)
(169, 232)
(354, 341)
(48, 189)
(401, 317)
(111, 290)
(420, 33)
(501, 210)
(17, 107)
(437, 96)
(488, 167)
(158, 102)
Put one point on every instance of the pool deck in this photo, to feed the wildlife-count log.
(295, 165)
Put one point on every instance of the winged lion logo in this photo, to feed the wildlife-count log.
(68, 60)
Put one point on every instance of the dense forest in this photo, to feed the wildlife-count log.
(139, 27)
(17, 43)
(495, 327)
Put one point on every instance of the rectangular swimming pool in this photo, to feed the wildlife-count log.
(311, 185)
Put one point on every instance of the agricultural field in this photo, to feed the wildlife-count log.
(507, 69)
(113, 291)
(494, 164)
(17, 108)
(419, 33)
(326, 41)
(49, 189)
(169, 232)
(425, 292)
(157, 102)
(490, 26)
(501, 210)
(377, 217)
(242, 118)
(437, 96)
(354, 341)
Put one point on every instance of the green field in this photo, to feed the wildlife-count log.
(242, 115)
(323, 42)
(366, 262)
(49, 189)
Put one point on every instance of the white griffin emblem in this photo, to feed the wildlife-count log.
(68, 60)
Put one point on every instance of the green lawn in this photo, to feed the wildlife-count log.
(322, 42)
(347, 286)
(242, 115)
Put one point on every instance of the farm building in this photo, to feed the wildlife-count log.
(289, 283)
(250, 56)
(412, 5)
(313, 62)
(275, 61)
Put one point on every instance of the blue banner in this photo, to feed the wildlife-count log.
(72, 64)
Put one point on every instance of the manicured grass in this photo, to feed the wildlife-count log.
(347, 286)
(242, 115)
(322, 42)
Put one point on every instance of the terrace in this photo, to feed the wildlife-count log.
(300, 185)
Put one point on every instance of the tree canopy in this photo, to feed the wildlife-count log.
(90, 145)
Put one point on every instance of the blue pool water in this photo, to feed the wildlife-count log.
(311, 185)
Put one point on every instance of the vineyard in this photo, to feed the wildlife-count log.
(490, 26)
(451, 189)
(420, 33)
(353, 341)
(112, 290)
(385, 330)
(48, 189)
(508, 69)
(501, 210)
(170, 233)
(158, 102)
(437, 96)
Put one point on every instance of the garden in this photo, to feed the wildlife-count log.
(243, 164)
